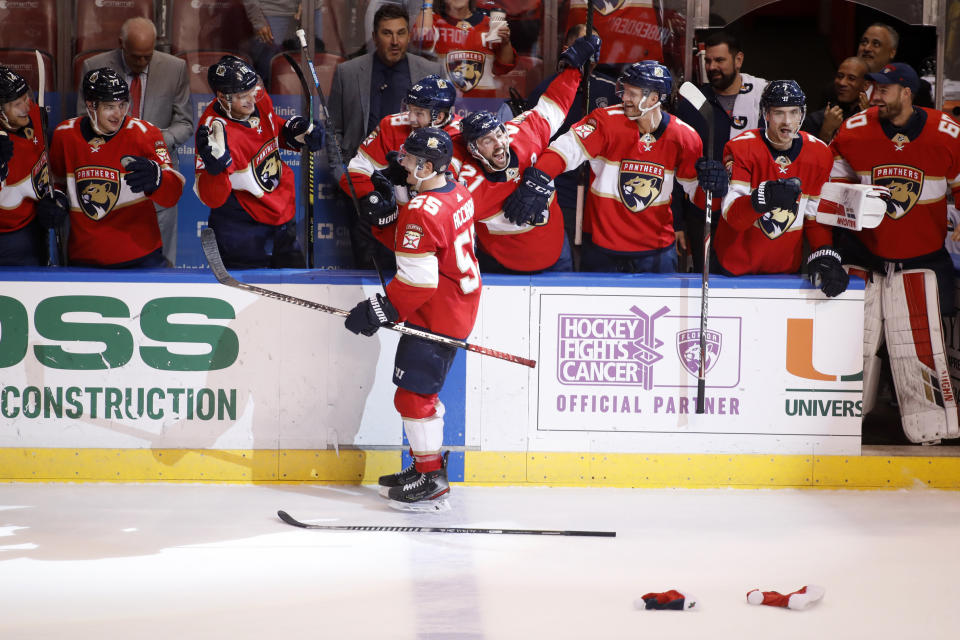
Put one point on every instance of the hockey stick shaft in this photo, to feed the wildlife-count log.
(309, 157)
(332, 130)
(208, 241)
(584, 182)
(286, 517)
(54, 243)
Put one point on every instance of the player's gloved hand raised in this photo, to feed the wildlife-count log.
(583, 50)
(370, 315)
(394, 171)
(379, 207)
(52, 210)
(776, 194)
(298, 131)
(712, 177)
(6, 152)
(526, 205)
(212, 148)
(143, 175)
(827, 272)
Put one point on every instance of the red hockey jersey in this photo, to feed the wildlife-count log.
(437, 285)
(525, 248)
(109, 223)
(28, 176)
(918, 172)
(629, 29)
(747, 242)
(261, 181)
(631, 175)
(463, 47)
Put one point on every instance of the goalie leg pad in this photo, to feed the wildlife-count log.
(872, 334)
(911, 313)
(422, 421)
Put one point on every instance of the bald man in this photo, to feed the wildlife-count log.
(163, 99)
(849, 97)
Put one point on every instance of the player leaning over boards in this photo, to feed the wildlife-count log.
(115, 167)
(775, 179)
(915, 152)
(437, 287)
(240, 175)
(635, 151)
(26, 207)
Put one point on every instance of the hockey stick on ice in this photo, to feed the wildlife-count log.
(332, 131)
(54, 243)
(286, 517)
(208, 241)
(695, 97)
(309, 164)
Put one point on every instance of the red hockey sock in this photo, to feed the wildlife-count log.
(799, 599)
(428, 463)
(672, 599)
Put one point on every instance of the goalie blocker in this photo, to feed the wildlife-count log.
(852, 206)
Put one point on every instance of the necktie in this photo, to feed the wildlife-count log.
(135, 96)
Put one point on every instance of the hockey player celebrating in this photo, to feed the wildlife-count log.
(240, 175)
(27, 205)
(437, 287)
(775, 179)
(496, 155)
(915, 152)
(635, 151)
(115, 167)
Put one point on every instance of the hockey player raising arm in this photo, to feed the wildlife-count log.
(915, 152)
(775, 179)
(635, 151)
(437, 287)
(115, 168)
(26, 206)
(240, 175)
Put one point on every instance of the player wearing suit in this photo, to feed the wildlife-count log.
(915, 152)
(635, 153)
(27, 206)
(758, 233)
(437, 287)
(240, 175)
(115, 168)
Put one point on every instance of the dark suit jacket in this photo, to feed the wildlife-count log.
(350, 97)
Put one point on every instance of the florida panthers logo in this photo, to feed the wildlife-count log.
(465, 69)
(775, 223)
(606, 7)
(267, 166)
(40, 176)
(98, 189)
(640, 184)
(905, 184)
(688, 348)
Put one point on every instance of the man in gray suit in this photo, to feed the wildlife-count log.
(374, 85)
(159, 94)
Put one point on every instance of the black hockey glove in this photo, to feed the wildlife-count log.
(527, 203)
(369, 315)
(298, 131)
(6, 152)
(583, 50)
(143, 175)
(394, 171)
(712, 177)
(212, 148)
(379, 207)
(826, 271)
(776, 194)
(52, 210)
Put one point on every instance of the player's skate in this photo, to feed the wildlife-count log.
(427, 493)
(404, 476)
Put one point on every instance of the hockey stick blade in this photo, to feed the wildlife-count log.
(208, 240)
(286, 517)
(693, 95)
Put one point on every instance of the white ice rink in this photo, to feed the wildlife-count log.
(180, 561)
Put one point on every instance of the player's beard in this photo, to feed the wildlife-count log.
(889, 111)
(721, 81)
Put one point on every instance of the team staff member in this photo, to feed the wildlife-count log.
(115, 168)
(635, 151)
(763, 223)
(240, 175)
(27, 208)
(914, 152)
(437, 287)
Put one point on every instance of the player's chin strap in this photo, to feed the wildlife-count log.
(226, 103)
(95, 123)
(796, 133)
(644, 112)
(416, 174)
(488, 167)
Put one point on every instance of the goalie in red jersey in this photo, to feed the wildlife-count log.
(437, 287)
(776, 175)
